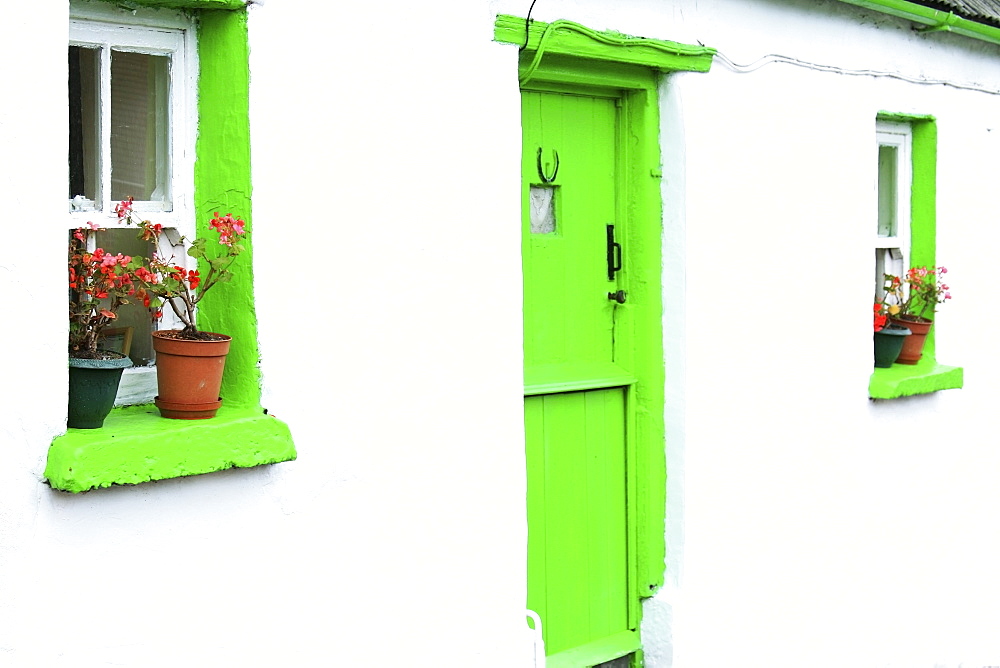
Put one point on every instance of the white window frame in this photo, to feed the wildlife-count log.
(158, 32)
(892, 252)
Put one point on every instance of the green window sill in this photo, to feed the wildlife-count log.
(924, 377)
(136, 445)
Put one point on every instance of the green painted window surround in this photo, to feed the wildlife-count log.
(136, 445)
(927, 376)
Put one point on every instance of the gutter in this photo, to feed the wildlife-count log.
(933, 20)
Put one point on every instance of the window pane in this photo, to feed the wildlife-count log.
(84, 125)
(542, 211)
(887, 190)
(140, 85)
(133, 315)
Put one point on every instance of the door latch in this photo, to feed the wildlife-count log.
(614, 254)
(618, 296)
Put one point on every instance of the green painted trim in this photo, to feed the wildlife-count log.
(923, 190)
(923, 200)
(596, 652)
(136, 445)
(567, 38)
(901, 380)
(183, 4)
(642, 316)
(897, 117)
(222, 183)
(546, 379)
(927, 376)
(641, 160)
(934, 19)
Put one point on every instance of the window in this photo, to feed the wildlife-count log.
(131, 100)
(906, 236)
(137, 445)
(892, 240)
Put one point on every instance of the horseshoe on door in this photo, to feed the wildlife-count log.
(555, 169)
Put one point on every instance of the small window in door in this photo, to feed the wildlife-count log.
(542, 211)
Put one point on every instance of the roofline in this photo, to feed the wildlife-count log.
(934, 20)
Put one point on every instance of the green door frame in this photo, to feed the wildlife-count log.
(563, 55)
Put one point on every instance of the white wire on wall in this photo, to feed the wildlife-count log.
(788, 60)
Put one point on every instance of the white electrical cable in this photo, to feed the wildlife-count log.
(787, 60)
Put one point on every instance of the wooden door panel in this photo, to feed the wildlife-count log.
(567, 315)
(578, 560)
(577, 556)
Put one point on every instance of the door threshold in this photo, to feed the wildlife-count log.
(595, 652)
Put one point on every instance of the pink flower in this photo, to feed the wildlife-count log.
(124, 208)
(227, 226)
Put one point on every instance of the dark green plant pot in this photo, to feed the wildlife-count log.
(93, 385)
(888, 345)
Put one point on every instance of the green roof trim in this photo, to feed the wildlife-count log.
(136, 445)
(568, 38)
(934, 20)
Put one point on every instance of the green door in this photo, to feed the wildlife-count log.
(576, 396)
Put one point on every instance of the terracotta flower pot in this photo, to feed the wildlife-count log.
(93, 384)
(189, 374)
(913, 345)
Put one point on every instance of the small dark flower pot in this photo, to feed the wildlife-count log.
(93, 385)
(888, 344)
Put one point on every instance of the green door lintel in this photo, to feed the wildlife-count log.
(566, 38)
(184, 4)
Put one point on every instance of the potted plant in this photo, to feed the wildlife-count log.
(189, 362)
(910, 301)
(889, 338)
(100, 283)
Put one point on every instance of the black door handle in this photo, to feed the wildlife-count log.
(614, 254)
(618, 296)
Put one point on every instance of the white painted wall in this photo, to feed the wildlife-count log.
(393, 352)
(801, 531)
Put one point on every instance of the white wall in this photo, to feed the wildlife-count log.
(388, 285)
(815, 534)
(802, 531)
(386, 171)
(802, 528)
